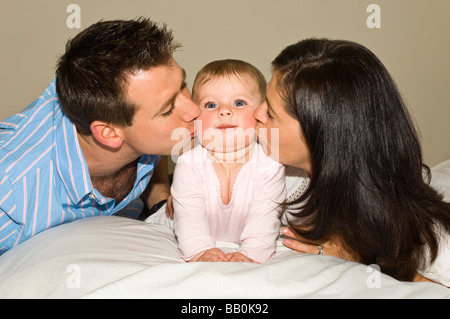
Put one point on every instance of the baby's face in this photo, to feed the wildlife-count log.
(227, 104)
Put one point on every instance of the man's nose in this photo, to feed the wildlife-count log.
(192, 110)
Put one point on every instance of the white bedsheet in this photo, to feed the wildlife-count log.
(116, 257)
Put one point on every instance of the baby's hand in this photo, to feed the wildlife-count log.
(169, 207)
(239, 257)
(212, 254)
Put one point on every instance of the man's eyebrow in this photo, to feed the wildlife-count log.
(171, 101)
(183, 85)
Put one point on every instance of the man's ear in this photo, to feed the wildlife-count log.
(106, 134)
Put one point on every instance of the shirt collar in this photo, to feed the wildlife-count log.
(70, 161)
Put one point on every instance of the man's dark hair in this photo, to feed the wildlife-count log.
(91, 75)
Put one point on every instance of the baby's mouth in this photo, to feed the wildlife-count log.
(225, 126)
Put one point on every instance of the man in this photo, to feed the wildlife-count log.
(82, 148)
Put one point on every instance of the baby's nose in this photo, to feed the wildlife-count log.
(225, 111)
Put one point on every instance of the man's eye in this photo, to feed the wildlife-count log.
(168, 112)
(239, 103)
(210, 105)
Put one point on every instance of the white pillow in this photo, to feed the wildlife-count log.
(75, 258)
(439, 271)
(440, 179)
(105, 256)
(116, 257)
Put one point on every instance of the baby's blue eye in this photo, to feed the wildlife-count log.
(239, 103)
(210, 105)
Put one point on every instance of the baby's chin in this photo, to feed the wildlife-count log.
(228, 146)
(230, 153)
(227, 141)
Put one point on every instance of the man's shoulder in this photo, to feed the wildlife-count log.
(31, 116)
(28, 135)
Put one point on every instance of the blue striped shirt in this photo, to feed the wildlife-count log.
(44, 178)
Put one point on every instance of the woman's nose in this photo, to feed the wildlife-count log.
(260, 113)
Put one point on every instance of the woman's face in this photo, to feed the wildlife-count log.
(280, 133)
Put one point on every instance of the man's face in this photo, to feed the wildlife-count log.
(165, 114)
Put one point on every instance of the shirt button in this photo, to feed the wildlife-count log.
(92, 196)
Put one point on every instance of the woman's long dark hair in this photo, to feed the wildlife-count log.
(367, 182)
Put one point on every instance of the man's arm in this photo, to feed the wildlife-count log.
(159, 187)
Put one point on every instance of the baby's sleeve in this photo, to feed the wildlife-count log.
(258, 240)
(191, 224)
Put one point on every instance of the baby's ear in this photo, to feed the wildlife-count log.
(106, 134)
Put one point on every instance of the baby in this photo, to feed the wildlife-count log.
(226, 189)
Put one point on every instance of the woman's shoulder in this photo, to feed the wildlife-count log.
(297, 182)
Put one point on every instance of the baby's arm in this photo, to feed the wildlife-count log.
(258, 240)
(191, 223)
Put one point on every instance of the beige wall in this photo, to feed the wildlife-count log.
(412, 42)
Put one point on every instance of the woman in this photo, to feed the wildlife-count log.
(340, 118)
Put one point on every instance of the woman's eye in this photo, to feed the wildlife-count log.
(210, 105)
(239, 103)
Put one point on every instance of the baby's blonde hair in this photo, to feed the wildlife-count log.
(229, 67)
